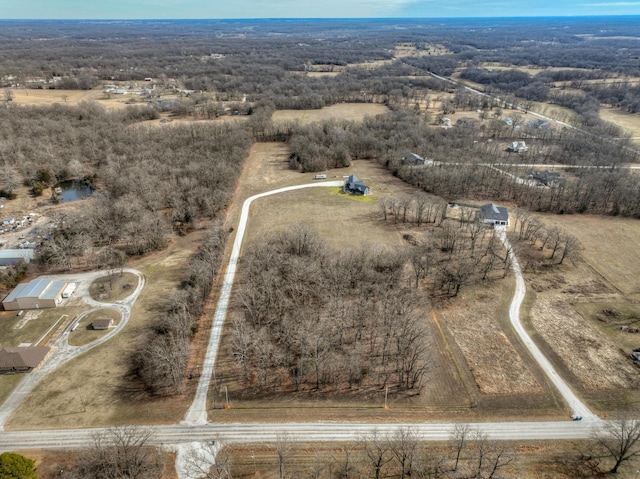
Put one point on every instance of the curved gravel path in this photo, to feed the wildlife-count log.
(578, 408)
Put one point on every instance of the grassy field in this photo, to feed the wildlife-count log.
(627, 121)
(33, 325)
(610, 247)
(342, 111)
(93, 390)
(70, 97)
(85, 334)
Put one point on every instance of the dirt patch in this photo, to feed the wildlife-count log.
(341, 111)
(113, 287)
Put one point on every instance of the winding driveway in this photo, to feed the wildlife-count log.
(578, 408)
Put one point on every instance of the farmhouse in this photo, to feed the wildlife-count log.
(36, 294)
(518, 147)
(494, 215)
(13, 256)
(100, 324)
(547, 178)
(355, 186)
(21, 359)
(413, 159)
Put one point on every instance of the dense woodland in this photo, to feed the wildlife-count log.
(157, 181)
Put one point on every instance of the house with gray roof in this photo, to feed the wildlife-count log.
(494, 215)
(355, 186)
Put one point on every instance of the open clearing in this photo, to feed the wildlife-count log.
(85, 334)
(113, 287)
(629, 122)
(71, 97)
(453, 389)
(341, 111)
(610, 247)
(566, 312)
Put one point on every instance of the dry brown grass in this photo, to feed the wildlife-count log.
(93, 389)
(85, 334)
(610, 246)
(629, 122)
(70, 97)
(341, 111)
(494, 362)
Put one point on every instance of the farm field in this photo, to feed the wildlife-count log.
(629, 122)
(70, 97)
(343, 111)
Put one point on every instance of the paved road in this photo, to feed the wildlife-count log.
(62, 351)
(577, 407)
(195, 429)
(197, 413)
(173, 436)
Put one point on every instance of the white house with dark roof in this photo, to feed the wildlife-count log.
(493, 214)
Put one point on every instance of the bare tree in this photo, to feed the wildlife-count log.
(284, 451)
(618, 440)
(120, 453)
(208, 461)
(459, 437)
(403, 446)
(377, 452)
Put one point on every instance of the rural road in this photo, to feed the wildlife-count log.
(170, 437)
(197, 413)
(578, 408)
(195, 429)
(62, 351)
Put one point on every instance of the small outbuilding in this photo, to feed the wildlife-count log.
(413, 159)
(100, 324)
(494, 215)
(21, 359)
(14, 256)
(518, 147)
(355, 186)
(36, 294)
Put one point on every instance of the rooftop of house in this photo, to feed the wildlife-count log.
(22, 357)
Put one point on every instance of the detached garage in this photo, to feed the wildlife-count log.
(36, 294)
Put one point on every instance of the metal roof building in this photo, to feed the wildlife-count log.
(12, 256)
(36, 294)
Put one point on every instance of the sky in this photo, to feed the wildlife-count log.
(219, 9)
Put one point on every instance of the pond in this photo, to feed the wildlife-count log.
(72, 190)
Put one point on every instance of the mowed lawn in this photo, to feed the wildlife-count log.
(610, 246)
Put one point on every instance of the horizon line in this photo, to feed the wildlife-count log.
(123, 19)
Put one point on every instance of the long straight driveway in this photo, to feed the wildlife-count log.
(197, 413)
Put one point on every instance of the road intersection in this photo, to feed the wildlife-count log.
(195, 428)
